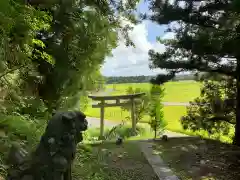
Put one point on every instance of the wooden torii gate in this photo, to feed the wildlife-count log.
(115, 101)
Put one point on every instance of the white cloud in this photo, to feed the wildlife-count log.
(169, 35)
(127, 61)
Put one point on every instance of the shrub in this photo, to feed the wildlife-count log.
(123, 130)
(21, 128)
(157, 121)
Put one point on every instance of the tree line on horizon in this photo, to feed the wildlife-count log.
(144, 79)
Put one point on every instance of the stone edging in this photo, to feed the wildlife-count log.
(162, 171)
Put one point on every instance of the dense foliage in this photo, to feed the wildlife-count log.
(214, 110)
(206, 40)
(43, 51)
(51, 53)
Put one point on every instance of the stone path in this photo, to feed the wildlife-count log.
(95, 122)
(175, 103)
(160, 168)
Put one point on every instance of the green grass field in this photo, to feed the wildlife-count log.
(172, 115)
(182, 91)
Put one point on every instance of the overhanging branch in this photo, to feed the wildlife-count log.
(11, 70)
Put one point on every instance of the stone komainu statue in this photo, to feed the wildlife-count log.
(53, 157)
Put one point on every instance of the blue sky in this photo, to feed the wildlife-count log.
(154, 30)
(129, 61)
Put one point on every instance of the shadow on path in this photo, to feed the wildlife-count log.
(196, 158)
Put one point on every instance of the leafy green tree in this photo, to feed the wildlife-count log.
(19, 25)
(206, 40)
(51, 52)
(60, 46)
(157, 121)
(214, 110)
(82, 34)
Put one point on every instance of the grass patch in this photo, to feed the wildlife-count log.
(181, 91)
(172, 115)
(143, 132)
(204, 159)
(110, 162)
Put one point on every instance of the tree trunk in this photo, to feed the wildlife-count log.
(155, 132)
(236, 140)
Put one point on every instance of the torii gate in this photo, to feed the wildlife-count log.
(102, 104)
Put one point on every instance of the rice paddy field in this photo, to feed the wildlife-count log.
(181, 91)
